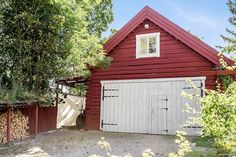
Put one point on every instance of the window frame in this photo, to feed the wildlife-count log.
(138, 48)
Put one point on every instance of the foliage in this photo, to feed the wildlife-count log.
(87, 48)
(99, 18)
(225, 65)
(79, 89)
(44, 40)
(219, 108)
(230, 48)
(29, 43)
(226, 80)
(184, 145)
(218, 117)
(107, 147)
(11, 96)
(230, 40)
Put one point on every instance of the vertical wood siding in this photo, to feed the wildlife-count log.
(152, 106)
(47, 118)
(176, 60)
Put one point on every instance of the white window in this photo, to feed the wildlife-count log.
(148, 45)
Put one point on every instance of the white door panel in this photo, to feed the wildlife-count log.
(159, 115)
(110, 106)
(148, 106)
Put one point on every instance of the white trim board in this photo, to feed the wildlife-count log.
(156, 54)
(153, 80)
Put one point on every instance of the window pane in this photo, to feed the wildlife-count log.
(152, 44)
(143, 45)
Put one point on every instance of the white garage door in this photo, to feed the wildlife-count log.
(152, 106)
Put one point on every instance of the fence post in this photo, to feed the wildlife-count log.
(36, 119)
(8, 124)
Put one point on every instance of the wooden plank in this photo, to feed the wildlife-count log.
(148, 75)
(36, 120)
(160, 61)
(130, 53)
(218, 72)
(170, 41)
(147, 70)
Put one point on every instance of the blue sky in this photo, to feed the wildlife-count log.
(205, 18)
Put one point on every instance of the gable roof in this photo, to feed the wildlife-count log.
(179, 33)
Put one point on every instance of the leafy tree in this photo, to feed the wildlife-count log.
(99, 18)
(230, 48)
(231, 39)
(42, 40)
(218, 116)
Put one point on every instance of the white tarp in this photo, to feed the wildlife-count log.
(69, 110)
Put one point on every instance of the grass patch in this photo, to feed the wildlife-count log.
(206, 142)
(203, 141)
(195, 153)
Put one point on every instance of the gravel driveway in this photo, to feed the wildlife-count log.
(74, 143)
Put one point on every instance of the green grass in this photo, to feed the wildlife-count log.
(203, 141)
(195, 153)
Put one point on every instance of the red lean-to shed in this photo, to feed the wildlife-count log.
(140, 92)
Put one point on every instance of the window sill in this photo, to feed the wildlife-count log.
(147, 56)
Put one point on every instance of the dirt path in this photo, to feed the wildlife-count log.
(74, 143)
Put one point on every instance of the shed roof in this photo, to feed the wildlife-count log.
(18, 104)
(179, 33)
(72, 82)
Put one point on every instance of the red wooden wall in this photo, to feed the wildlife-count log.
(47, 118)
(176, 60)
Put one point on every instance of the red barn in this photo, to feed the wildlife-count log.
(141, 90)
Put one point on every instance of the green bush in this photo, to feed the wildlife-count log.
(184, 145)
(218, 117)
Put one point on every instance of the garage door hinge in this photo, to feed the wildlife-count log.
(202, 91)
(102, 124)
(103, 90)
(188, 88)
(165, 99)
(165, 130)
(165, 108)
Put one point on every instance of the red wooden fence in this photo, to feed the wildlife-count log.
(47, 118)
